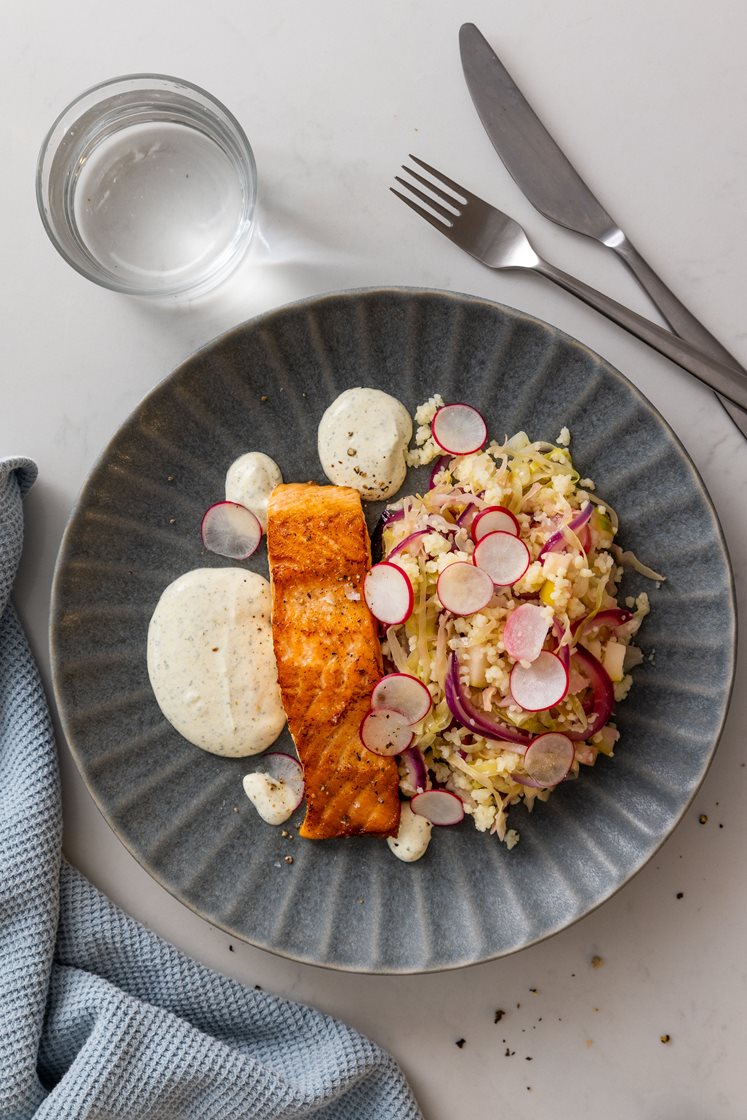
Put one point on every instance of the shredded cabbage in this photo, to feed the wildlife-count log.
(539, 484)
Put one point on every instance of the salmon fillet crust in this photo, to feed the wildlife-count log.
(328, 657)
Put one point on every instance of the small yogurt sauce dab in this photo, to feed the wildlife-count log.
(211, 661)
(413, 837)
(276, 787)
(362, 440)
(272, 800)
(249, 482)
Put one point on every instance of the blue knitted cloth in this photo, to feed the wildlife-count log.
(101, 1018)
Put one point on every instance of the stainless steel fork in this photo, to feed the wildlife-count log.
(499, 242)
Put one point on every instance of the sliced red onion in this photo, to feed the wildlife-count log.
(385, 732)
(564, 650)
(231, 530)
(385, 519)
(463, 589)
(467, 715)
(441, 464)
(494, 519)
(602, 690)
(416, 774)
(548, 758)
(503, 556)
(388, 593)
(465, 518)
(556, 541)
(542, 685)
(525, 632)
(459, 429)
(612, 618)
(400, 692)
(438, 806)
(410, 544)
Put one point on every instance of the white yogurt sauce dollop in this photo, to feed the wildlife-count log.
(413, 837)
(211, 661)
(250, 480)
(362, 440)
(273, 800)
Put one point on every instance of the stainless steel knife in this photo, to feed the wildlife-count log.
(555, 188)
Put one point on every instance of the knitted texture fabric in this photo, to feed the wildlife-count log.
(101, 1018)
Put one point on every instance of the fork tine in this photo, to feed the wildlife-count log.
(434, 221)
(449, 215)
(460, 191)
(434, 188)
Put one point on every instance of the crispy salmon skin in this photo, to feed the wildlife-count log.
(328, 657)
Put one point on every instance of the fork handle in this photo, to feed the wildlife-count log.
(682, 321)
(727, 380)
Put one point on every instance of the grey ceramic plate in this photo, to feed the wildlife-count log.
(182, 813)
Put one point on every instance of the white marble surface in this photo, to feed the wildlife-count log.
(650, 98)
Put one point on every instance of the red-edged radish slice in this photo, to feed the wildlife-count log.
(463, 589)
(494, 519)
(503, 556)
(402, 693)
(385, 732)
(548, 758)
(438, 806)
(231, 530)
(276, 787)
(542, 685)
(388, 593)
(459, 429)
(525, 632)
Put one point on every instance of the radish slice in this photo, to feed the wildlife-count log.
(385, 732)
(459, 429)
(230, 529)
(542, 685)
(388, 593)
(276, 787)
(494, 519)
(503, 556)
(525, 632)
(438, 806)
(548, 759)
(463, 589)
(402, 693)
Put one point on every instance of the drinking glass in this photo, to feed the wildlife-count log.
(147, 184)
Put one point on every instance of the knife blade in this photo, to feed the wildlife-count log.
(551, 183)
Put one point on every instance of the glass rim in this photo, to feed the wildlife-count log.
(48, 146)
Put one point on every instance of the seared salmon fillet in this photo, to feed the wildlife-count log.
(328, 657)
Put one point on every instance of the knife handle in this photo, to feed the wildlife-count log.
(727, 380)
(682, 321)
